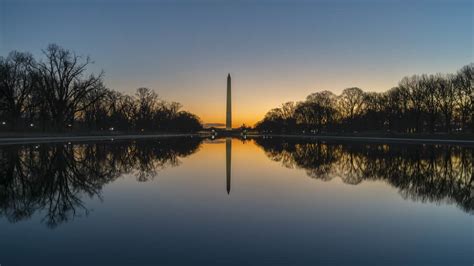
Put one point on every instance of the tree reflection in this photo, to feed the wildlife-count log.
(54, 178)
(426, 173)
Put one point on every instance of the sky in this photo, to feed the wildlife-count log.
(276, 51)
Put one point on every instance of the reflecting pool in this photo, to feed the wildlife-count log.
(256, 201)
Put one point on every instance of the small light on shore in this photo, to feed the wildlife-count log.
(32, 125)
(111, 129)
(4, 123)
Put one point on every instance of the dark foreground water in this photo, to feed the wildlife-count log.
(190, 201)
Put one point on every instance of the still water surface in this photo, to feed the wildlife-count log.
(191, 201)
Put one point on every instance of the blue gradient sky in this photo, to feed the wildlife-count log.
(276, 51)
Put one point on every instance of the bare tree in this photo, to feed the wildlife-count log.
(465, 95)
(427, 89)
(446, 98)
(351, 103)
(16, 84)
(375, 105)
(64, 85)
(410, 87)
(146, 105)
(327, 101)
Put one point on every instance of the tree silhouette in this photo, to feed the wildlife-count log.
(57, 93)
(16, 85)
(420, 103)
(433, 173)
(54, 179)
(64, 86)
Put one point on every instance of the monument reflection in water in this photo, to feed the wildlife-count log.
(346, 199)
(228, 163)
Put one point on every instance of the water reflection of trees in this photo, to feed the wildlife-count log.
(54, 178)
(427, 173)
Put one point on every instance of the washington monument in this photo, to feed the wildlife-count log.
(228, 120)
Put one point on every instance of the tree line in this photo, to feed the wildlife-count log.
(419, 104)
(57, 93)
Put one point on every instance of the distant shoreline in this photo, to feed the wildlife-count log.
(396, 138)
(388, 139)
(64, 138)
